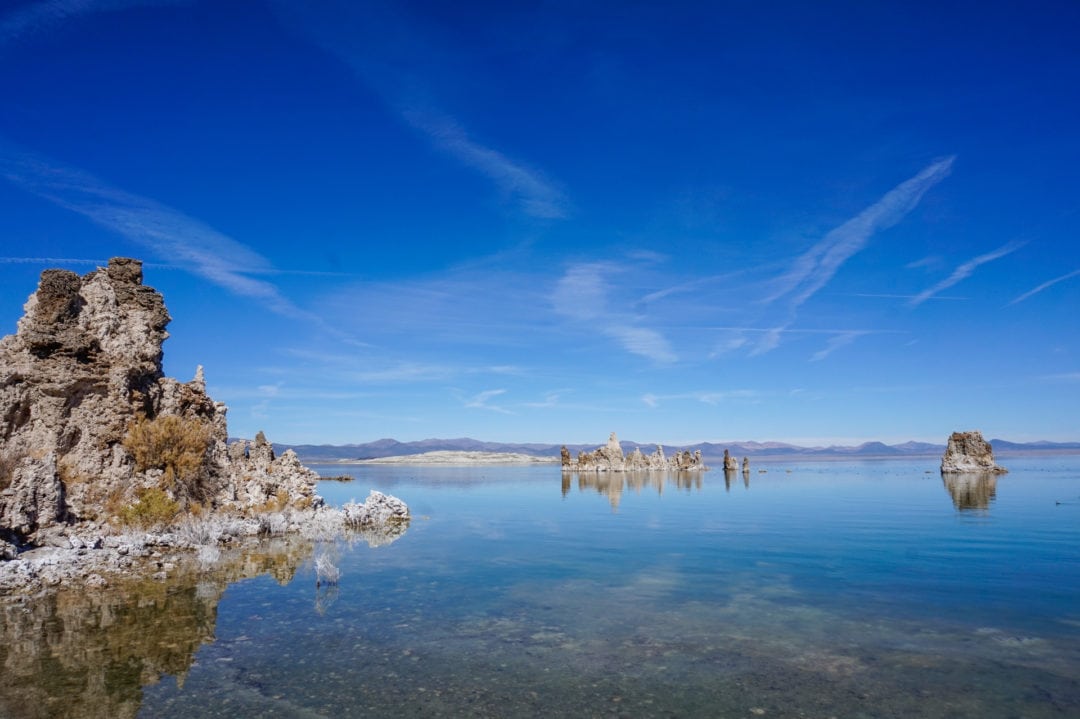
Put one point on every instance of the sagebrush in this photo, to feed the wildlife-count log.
(152, 508)
(176, 445)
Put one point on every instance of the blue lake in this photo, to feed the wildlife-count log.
(816, 589)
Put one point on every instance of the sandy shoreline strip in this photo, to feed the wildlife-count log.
(458, 458)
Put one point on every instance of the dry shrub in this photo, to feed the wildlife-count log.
(112, 504)
(272, 504)
(71, 476)
(176, 445)
(152, 508)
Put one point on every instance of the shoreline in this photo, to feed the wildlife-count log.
(460, 458)
(95, 556)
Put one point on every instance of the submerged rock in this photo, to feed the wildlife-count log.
(968, 452)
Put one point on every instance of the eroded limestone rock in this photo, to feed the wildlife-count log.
(377, 510)
(610, 458)
(82, 370)
(35, 497)
(968, 452)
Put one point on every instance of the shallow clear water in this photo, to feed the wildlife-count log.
(818, 589)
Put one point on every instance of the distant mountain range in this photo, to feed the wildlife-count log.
(710, 450)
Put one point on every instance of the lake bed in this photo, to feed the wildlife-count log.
(847, 589)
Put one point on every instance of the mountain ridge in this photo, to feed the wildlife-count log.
(389, 447)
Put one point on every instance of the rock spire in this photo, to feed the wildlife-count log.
(82, 370)
(610, 458)
(968, 452)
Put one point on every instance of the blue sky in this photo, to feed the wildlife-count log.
(544, 221)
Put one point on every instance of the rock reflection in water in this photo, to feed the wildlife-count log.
(73, 653)
(729, 477)
(971, 491)
(613, 484)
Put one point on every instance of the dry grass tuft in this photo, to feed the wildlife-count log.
(277, 503)
(71, 476)
(176, 445)
(153, 508)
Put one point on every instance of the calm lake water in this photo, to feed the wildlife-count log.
(815, 589)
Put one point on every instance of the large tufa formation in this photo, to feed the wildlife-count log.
(89, 423)
(610, 458)
(967, 453)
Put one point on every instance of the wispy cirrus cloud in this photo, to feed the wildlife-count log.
(644, 342)
(535, 194)
(820, 263)
(1062, 377)
(51, 261)
(768, 338)
(834, 344)
(551, 400)
(925, 263)
(39, 17)
(964, 271)
(582, 292)
(582, 295)
(160, 266)
(816, 267)
(1045, 285)
(370, 369)
(165, 231)
(878, 295)
(482, 400)
(705, 397)
(395, 56)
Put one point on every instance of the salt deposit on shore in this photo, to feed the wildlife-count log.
(462, 458)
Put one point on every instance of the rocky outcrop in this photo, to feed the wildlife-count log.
(89, 423)
(968, 452)
(730, 463)
(34, 498)
(610, 458)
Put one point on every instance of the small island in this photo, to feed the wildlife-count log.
(969, 453)
(610, 458)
